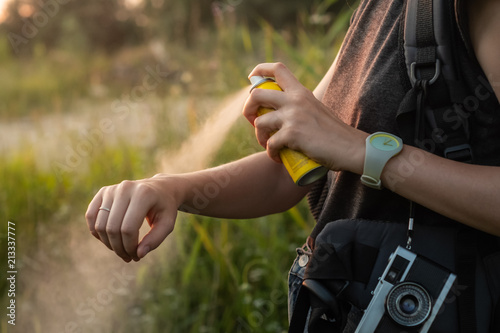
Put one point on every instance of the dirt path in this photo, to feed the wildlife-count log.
(52, 137)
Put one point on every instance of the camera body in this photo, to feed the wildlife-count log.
(409, 295)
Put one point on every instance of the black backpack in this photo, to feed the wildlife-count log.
(432, 116)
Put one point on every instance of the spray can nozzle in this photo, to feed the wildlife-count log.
(257, 80)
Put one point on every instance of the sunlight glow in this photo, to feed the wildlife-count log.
(133, 3)
(3, 6)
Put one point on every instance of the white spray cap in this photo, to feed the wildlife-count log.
(257, 80)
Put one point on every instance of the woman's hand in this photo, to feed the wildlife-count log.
(301, 122)
(129, 203)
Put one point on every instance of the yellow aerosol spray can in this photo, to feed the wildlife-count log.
(301, 168)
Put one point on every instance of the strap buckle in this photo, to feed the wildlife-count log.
(459, 153)
(413, 75)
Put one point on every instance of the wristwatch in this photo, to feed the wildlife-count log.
(380, 148)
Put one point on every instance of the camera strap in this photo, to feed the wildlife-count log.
(436, 93)
(411, 222)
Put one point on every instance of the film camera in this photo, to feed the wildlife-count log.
(408, 296)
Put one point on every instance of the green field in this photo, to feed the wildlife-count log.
(73, 121)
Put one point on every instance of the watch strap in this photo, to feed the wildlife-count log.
(375, 161)
(373, 168)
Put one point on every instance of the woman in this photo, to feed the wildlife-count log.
(359, 95)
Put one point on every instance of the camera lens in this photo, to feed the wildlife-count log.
(408, 304)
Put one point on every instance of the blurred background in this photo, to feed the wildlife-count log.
(97, 91)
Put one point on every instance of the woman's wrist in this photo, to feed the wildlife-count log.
(355, 156)
(174, 186)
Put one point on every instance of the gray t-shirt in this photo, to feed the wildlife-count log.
(367, 87)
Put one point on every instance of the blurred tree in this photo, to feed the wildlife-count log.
(108, 25)
(177, 20)
(98, 20)
(49, 21)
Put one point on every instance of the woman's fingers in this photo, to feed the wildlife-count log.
(112, 204)
(274, 147)
(266, 125)
(285, 103)
(284, 77)
(102, 216)
(162, 225)
(91, 214)
(301, 122)
(270, 99)
(117, 212)
(114, 225)
(138, 209)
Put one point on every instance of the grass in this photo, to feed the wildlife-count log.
(219, 275)
(243, 267)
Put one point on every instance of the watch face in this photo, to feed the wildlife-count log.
(385, 142)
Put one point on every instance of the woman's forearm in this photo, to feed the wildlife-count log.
(466, 193)
(251, 187)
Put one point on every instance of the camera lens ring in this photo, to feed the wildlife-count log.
(408, 304)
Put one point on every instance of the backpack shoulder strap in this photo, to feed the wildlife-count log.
(437, 93)
(429, 45)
